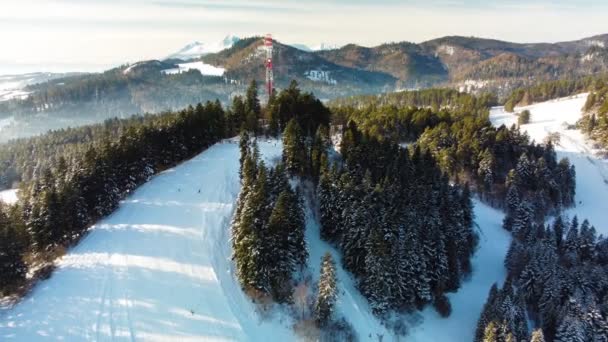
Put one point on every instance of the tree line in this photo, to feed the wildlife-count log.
(267, 229)
(558, 278)
(88, 172)
(468, 148)
(405, 233)
(594, 122)
(549, 90)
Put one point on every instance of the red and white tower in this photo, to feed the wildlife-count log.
(269, 74)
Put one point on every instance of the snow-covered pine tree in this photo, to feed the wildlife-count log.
(278, 250)
(244, 142)
(12, 246)
(571, 330)
(328, 207)
(523, 220)
(328, 291)
(295, 151)
(491, 333)
(524, 171)
(537, 336)
(296, 229)
(248, 248)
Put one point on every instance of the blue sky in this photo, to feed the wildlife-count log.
(60, 35)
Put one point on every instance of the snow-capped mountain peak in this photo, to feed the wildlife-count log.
(318, 47)
(197, 49)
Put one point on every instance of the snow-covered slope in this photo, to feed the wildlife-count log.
(204, 69)
(198, 49)
(158, 269)
(11, 86)
(591, 171)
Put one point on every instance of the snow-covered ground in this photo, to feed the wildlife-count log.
(158, 269)
(6, 122)
(205, 69)
(11, 86)
(591, 170)
(9, 196)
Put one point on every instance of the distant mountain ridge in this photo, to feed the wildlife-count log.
(197, 49)
(468, 64)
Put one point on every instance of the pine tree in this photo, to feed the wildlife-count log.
(244, 142)
(524, 170)
(537, 336)
(328, 292)
(294, 149)
(523, 220)
(328, 207)
(278, 250)
(491, 333)
(251, 234)
(12, 247)
(571, 330)
(318, 152)
(296, 230)
(253, 107)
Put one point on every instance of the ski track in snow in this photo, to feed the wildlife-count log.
(158, 269)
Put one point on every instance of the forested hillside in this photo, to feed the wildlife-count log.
(545, 91)
(400, 216)
(121, 91)
(595, 121)
(72, 178)
(406, 251)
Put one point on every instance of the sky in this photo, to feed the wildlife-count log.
(93, 35)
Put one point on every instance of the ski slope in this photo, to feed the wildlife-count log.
(591, 171)
(158, 269)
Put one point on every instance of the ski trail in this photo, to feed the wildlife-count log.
(157, 269)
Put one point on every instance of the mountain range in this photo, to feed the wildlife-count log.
(198, 49)
(464, 63)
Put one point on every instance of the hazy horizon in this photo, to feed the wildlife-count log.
(94, 35)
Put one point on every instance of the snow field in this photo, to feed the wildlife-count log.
(158, 269)
(9, 196)
(205, 69)
(591, 171)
